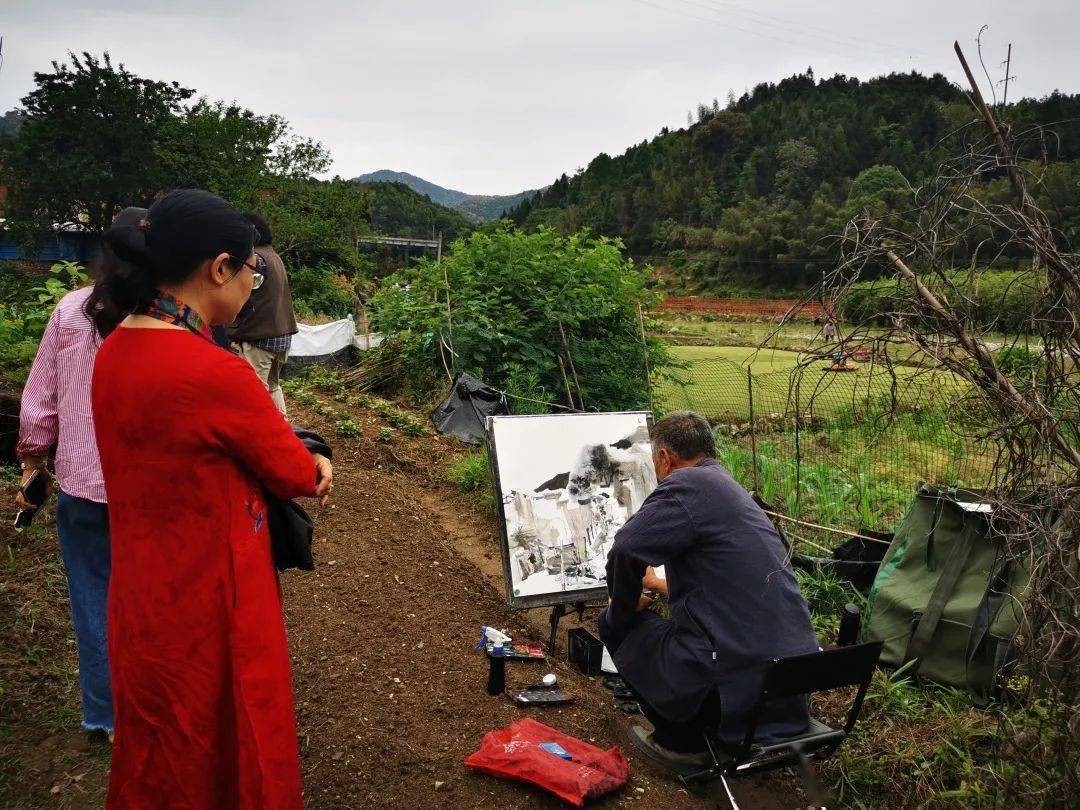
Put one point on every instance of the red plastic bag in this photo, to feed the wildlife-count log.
(514, 753)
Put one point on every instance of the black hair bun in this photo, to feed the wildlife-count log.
(128, 242)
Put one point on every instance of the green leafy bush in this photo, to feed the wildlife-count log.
(405, 422)
(321, 290)
(994, 299)
(349, 427)
(24, 312)
(509, 294)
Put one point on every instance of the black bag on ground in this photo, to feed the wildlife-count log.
(464, 411)
(291, 528)
(855, 560)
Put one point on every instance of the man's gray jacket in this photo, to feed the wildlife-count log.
(733, 599)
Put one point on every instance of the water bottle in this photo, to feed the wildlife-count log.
(496, 684)
(850, 620)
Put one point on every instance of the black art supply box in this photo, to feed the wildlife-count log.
(585, 650)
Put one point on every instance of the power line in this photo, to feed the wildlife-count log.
(829, 33)
(799, 43)
(715, 21)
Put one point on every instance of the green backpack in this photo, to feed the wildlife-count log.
(947, 598)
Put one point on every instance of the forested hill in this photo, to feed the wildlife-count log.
(481, 207)
(397, 210)
(750, 195)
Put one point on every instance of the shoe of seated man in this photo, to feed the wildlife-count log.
(644, 741)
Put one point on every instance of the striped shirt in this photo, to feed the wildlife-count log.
(55, 408)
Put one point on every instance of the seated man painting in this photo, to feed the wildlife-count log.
(733, 600)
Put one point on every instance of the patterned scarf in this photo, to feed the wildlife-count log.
(169, 308)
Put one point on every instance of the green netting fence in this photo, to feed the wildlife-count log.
(843, 448)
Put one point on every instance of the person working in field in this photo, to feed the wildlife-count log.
(733, 599)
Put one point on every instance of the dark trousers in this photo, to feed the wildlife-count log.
(686, 737)
(83, 528)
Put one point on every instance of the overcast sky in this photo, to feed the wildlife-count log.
(496, 96)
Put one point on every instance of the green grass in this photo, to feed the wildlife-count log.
(710, 330)
(827, 595)
(915, 743)
(470, 471)
(713, 381)
(827, 488)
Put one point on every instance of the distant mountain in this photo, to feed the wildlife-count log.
(473, 206)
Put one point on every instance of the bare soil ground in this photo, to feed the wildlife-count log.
(389, 691)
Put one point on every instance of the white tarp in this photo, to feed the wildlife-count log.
(326, 338)
(368, 341)
(330, 338)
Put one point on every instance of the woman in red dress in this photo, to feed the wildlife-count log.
(189, 438)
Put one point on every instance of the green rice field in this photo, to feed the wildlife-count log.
(712, 380)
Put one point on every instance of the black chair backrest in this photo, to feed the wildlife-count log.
(815, 672)
(821, 671)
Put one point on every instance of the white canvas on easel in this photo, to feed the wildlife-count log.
(564, 484)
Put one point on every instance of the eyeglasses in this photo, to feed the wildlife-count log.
(258, 276)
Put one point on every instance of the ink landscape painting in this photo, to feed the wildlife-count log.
(566, 483)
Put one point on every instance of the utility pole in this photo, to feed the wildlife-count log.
(1008, 63)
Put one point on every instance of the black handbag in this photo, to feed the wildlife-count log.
(291, 528)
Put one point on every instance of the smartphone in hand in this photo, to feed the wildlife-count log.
(34, 491)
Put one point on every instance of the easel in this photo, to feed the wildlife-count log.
(564, 609)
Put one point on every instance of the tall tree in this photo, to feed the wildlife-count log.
(88, 146)
(96, 138)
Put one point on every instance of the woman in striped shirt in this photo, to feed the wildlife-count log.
(55, 417)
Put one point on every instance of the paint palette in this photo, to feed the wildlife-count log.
(520, 652)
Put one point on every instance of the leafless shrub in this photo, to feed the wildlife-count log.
(1029, 413)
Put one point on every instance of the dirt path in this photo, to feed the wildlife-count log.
(389, 691)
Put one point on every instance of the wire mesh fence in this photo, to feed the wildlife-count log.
(840, 443)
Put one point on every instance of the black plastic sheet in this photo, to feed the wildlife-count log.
(464, 411)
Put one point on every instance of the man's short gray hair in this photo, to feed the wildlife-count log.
(686, 434)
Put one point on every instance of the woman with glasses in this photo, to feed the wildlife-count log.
(188, 438)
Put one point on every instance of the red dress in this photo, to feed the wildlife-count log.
(197, 651)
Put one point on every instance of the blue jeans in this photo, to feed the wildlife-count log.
(83, 527)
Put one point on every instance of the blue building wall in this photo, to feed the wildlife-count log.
(70, 247)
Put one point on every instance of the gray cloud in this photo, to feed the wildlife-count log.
(494, 97)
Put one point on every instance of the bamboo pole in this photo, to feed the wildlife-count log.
(566, 382)
(645, 350)
(753, 430)
(819, 527)
(449, 316)
(573, 370)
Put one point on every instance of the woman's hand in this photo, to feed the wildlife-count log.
(324, 478)
(21, 501)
